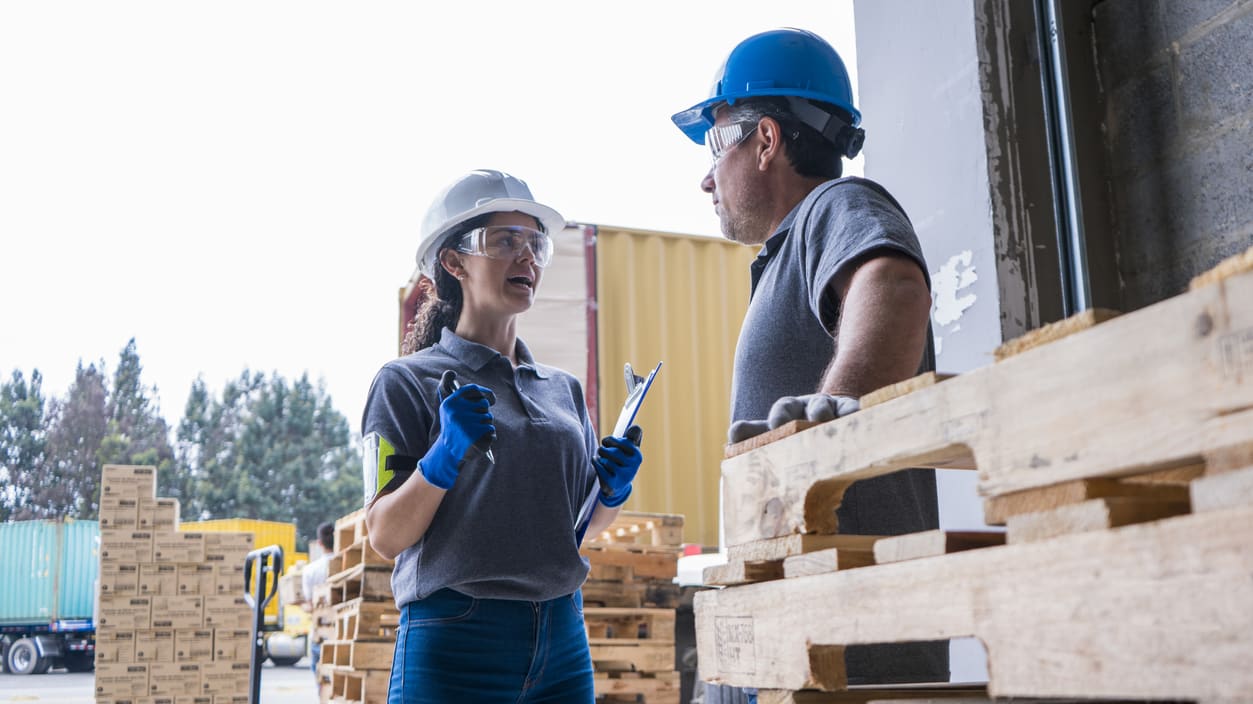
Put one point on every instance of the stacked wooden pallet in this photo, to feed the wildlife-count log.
(629, 605)
(1120, 457)
(355, 612)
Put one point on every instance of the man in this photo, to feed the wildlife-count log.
(840, 297)
(311, 576)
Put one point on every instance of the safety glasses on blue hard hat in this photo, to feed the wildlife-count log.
(724, 138)
(507, 242)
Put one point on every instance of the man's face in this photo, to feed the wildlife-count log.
(734, 181)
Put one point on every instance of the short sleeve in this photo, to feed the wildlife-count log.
(841, 223)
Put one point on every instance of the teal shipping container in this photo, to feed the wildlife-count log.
(48, 571)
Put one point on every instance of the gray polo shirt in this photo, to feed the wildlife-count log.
(503, 531)
(785, 346)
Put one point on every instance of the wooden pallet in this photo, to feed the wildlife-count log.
(372, 583)
(364, 687)
(350, 530)
(654, 687)
(644, 562)
(1120, 457)
(614, 594)
(615, 654)
(630, 624)
(357, 655)
(639, 528)
(358, 553)
(1163, 388)
(362, 619)
(1158, 610)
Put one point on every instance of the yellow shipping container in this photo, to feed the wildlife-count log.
(614, 295)
(264, 533)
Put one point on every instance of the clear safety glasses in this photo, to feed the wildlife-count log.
(725, 138)
(507, 242)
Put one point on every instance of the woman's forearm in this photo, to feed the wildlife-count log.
(397, 520)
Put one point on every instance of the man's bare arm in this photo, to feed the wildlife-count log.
(882, 331)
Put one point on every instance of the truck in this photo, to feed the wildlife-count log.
(49, 570)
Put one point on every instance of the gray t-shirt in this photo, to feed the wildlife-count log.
(504, 530)
(785, 346)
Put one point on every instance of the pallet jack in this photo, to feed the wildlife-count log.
(267, 564)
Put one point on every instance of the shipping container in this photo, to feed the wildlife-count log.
(48, 572)
(614, 295)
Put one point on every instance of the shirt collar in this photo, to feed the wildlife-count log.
(770, 247)
(780, 233)
(477, 356)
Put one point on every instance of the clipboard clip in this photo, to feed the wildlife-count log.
(637, 387)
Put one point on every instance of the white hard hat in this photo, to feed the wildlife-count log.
(474, 194)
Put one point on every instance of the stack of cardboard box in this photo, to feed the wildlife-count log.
(173, 622)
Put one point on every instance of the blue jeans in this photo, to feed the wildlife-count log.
(315, 656)
(454, 648)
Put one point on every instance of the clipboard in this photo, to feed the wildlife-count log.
(637, 388)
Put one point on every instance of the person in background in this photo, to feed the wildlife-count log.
(840, 297)
(482, 469)
(311, 576)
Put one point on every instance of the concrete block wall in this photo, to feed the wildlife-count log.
(1177, 78)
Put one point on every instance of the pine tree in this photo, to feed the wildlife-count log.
(23, 442)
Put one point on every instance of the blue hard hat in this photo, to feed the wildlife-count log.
(781, 62)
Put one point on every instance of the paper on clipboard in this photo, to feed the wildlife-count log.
(637, 387)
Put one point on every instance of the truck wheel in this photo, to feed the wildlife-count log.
(23, 658)
(80, 662)
(284, 662)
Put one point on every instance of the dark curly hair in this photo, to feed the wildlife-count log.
(441, 306)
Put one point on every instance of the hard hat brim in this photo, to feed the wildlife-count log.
(696, 120)
(552, 221)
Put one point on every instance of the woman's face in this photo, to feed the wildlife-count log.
(502, 287)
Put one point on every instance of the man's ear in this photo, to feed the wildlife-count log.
(770, 144)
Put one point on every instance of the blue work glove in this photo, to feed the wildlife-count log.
(616, 462)
(464, 418)
(812, 407)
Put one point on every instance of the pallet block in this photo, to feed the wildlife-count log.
(1164, 387)
(1221, 491)
(1160, 610)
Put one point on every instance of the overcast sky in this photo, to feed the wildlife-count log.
(241, 184)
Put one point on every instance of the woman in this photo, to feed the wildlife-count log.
(482, 493)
